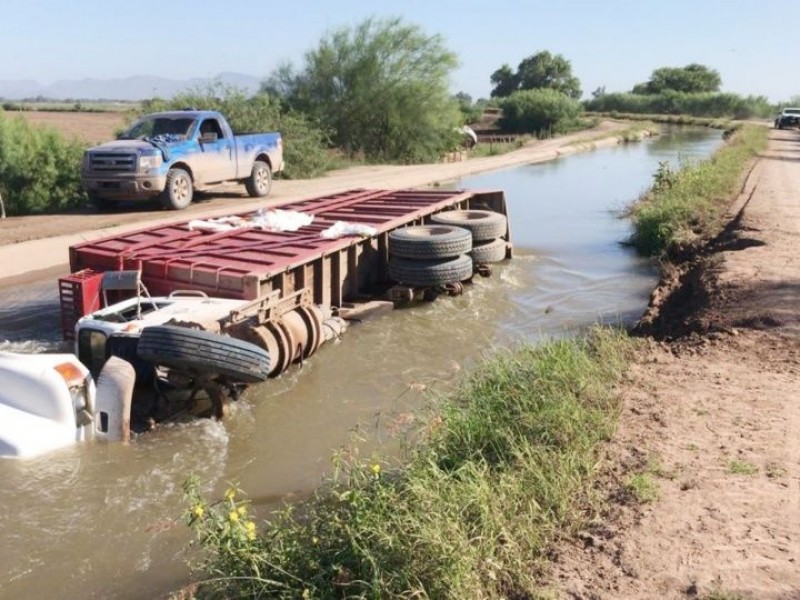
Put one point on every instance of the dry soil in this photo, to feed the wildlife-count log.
(711, 415)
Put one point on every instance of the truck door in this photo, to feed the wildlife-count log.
(217, 159)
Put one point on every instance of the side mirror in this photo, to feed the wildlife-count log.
(208, 138)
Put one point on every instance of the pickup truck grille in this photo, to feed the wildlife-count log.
(112, 162)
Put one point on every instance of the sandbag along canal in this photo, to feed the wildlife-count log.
(98, 520)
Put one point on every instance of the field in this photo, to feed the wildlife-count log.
(89, 127)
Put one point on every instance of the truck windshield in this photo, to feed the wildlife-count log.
(157, 126)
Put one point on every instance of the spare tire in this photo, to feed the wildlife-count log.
(430, 273)
(429, 242)
(204, 351)
(483, 224)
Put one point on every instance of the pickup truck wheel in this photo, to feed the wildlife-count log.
(260, 181)
(178, 193)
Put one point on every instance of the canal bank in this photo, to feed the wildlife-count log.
(709, 421)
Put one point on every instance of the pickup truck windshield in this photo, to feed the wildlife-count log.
(157, 126)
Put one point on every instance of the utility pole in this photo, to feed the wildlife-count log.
(2, 208)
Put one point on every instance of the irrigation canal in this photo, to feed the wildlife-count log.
(102, 521)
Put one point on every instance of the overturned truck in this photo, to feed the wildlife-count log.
(202, 308)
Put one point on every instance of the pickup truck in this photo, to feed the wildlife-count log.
(788, 117)
(169, 155)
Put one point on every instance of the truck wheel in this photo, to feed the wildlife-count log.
(178, 193)
(429, 242)
(203, 352)
(485, 225)
(260, 181)
(488, 252)
(425, 273)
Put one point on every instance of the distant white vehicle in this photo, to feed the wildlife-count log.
(788, 117)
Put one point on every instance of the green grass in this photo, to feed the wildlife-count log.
(742, 467)
(504, 468)
(686, 205)
(643, 487)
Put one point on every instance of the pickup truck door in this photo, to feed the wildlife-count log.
(216, 160)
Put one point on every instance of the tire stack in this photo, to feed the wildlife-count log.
(428, 256)
(487, 228)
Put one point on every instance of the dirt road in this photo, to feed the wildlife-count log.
(31, 244)
(712, 418)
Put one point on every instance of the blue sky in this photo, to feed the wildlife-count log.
(754, 45)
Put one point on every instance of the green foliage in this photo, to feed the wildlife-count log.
(382, 88)
(687, 204)
(643, 488)
(691, 79)
(39, 169)
(538, 71)
(473, 510)
(539, 111)
(304, 143)
(706, 104)
(470, 111)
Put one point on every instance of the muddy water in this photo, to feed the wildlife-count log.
(101, 521)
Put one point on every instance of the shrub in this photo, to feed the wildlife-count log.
(39, 169)
(539, 111)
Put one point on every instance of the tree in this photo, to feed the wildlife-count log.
(505, 82)
(691, 79)
(381, 87)
(539, 71)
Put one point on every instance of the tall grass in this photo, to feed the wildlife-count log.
(687, 204)
(501, 474)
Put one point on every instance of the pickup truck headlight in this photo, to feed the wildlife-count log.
(149, 161)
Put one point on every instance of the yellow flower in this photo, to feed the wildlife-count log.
(242, 510)
(315, 540)
(251, 535)
(230, 494)
(199, 511)
(233, 516)
(376, 469)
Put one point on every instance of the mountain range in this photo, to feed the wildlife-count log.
(139, 87)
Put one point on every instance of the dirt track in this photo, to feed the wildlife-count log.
(713, 417)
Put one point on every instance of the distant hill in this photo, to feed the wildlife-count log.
(139, 87)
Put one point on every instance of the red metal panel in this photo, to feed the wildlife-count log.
(222, 262)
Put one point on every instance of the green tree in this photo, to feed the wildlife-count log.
(381, 87)
(538, 71)
(691, 79)
(505, 82)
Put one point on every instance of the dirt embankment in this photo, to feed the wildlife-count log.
(711, 416)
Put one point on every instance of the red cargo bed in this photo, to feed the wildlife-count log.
(247, 263)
